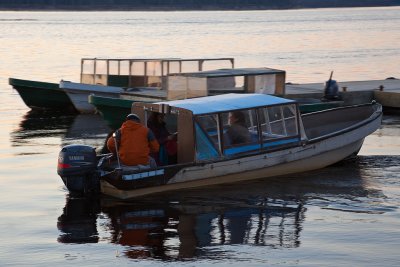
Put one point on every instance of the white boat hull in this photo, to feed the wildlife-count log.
(78, 93)
(308, 157)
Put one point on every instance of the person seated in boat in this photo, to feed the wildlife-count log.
(237, 132)
(168, 143)
(135, 142)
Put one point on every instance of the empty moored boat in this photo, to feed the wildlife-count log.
(112, 77)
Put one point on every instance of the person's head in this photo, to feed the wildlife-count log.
(133, 117)
(237, 117)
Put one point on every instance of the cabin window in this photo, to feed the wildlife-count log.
(207, 137)
(240, 132)
(278, 122)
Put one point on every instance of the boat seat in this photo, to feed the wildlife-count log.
(129, 169)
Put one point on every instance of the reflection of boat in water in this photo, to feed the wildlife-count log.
(88, 129)
(41, 124)
(181, 230)
(78, 221)
(191, 224)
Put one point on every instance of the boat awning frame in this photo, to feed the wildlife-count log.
(226, 103)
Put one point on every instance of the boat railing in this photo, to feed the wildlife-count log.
(143, 72)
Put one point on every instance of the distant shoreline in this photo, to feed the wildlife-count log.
(174, 8)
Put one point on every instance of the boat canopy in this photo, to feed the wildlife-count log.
(228, 125)
(226, 102)
(143, 72)
(231, 72)
(222, 81)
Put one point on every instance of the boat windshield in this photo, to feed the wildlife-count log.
(248, 130)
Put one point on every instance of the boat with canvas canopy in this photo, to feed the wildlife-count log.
(280, 140)
(112, 77)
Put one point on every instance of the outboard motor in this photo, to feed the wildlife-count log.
(331, 90)
(77, 168)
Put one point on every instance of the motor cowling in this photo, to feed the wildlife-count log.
(331, 90)
(77, 168)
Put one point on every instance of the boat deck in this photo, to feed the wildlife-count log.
(144, 93)
(386, 92)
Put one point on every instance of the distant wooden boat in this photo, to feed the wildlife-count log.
(280, 140)
(113, 110)
(390, 99)
(107, 72)
(42, 95)
(78, 94)
(112, 77)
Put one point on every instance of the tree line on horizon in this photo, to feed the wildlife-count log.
(185, 4)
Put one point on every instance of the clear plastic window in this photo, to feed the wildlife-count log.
(240, 128)
(278, 122)
(207, 137)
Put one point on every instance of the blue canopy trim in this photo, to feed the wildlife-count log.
(227, 102)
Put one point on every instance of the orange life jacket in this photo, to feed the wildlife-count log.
(135, 145)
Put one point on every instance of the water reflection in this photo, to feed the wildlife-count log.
(88, 129)
(41, 124)
(78, 221)
(200, 223)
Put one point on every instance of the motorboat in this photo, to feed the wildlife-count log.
(281, 140)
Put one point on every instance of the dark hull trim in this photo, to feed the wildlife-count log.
(42, 95)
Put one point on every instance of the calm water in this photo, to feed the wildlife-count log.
(344, 215)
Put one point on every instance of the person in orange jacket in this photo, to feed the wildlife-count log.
(135, 142)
